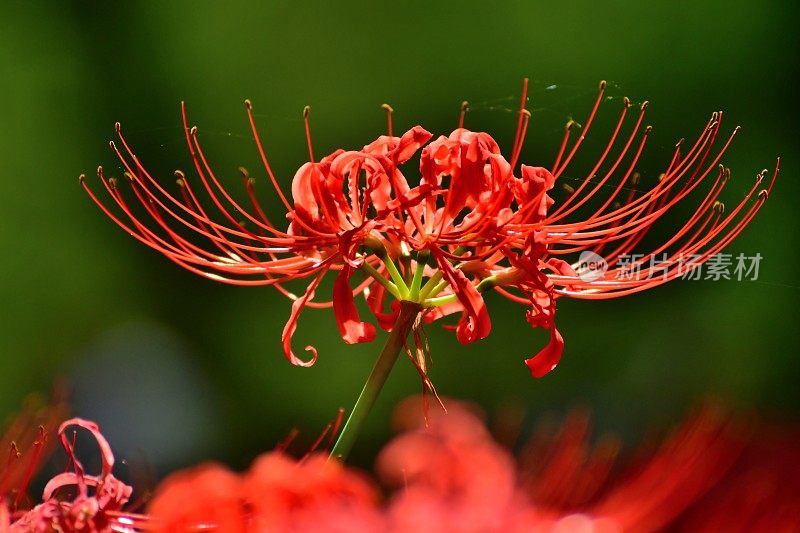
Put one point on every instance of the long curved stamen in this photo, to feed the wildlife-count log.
(306, 113)
(562, 210)
(522, 124)
(623, 287)
(663, 186)
(584, 131)
(249, 106)
(563, 146)
(462, 113)
(389, 110)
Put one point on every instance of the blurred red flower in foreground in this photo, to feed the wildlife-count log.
(27, 441)
(713, 473)
(95, 505)
(471, 222)
(278, 493)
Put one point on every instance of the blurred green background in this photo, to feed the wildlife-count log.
(177, 368)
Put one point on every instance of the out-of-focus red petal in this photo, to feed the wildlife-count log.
(451, 475)
(105, 449)
(109, 488)
(190, 500)
(312, 495)
(547, 359)
(352, 329)
(291, 326)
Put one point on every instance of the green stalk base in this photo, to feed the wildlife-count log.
(376, 380)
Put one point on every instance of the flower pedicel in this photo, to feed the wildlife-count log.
(471, 222)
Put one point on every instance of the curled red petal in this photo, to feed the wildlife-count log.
(533, 187)
(410, 142)
(110, 493)
(65, 479)
(348, 167)
(375, 301)
(189, 500)
(441, 311)
(500, 174)
(475, 323)
(476, 149)
(411, 198)
(291, 326)
(352, 329)
(547, 359)
(106, 454)
(349, 241)
(302, 191)
(560, 266)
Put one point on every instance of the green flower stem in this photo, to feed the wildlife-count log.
(376, 380)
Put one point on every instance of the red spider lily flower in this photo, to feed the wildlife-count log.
(278, 493)
(291, 496)
(99, 499)
(715, 472)
(472, 222)
(760, 492)
(447, 473)
(28, 442)
(206, 496)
